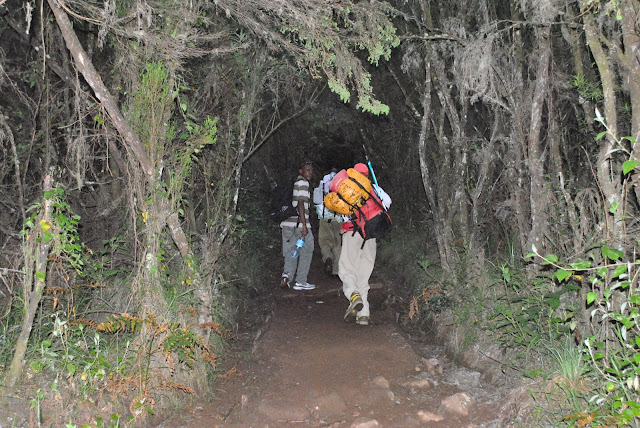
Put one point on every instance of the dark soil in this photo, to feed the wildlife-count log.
(304, 366)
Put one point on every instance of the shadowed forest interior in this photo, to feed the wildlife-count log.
(140, 141)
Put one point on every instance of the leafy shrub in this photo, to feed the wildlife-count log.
(613, 344)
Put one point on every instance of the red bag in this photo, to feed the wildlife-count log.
(372, 220)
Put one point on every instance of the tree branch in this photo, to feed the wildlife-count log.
(86, 67)
(274, 128)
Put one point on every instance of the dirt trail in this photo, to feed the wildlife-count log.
(306, 367)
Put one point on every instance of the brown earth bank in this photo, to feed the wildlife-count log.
(304, 366)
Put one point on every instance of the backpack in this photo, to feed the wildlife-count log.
(319, 193)
(372, 220)
(349, 190)
(281, 206)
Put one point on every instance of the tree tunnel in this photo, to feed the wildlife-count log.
(139, 142)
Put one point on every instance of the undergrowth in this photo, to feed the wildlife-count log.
(82, 349)
(572, 328)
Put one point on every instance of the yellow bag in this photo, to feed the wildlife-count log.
(349, 191)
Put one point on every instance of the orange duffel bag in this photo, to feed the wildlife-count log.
(349, 190)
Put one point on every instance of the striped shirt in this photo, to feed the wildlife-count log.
(301, 193)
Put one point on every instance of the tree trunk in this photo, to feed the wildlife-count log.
(572, 36)
(439, 229)
(631, 40)
(34, 296)
(128, 135)
(451, 168)
(516, 170)
(424, 167)
(535, 149)
(607, 178)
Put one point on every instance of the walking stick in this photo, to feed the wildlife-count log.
(373, 174)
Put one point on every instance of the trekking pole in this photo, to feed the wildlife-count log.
(373, 174)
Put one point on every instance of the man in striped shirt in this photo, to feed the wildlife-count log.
(295, 227)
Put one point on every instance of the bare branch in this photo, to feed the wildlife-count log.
(275, 126)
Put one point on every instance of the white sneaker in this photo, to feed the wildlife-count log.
(303, 286)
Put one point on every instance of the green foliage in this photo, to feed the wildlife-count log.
(606, 7)
(8, 336)
(381, 43)
(258, 243)
(35, 404)
(420, 282)
(621, 145)
(528, 312)
(433, 296)
(584, 313)
(81, 357)
(32, 76)
(66, 223)
(366, 102)
(151, 107)
(115, 421)
(195, 138)
(62, 232)
(96, 357)
(588, 90)
(613, 347)
(108, 267)
(184, 343)
(629, 166)
(569, 358)
(340, 89)
(122, 7)
(329, 47)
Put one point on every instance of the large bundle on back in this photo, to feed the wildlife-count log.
(349, 190)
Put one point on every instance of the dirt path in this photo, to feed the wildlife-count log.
(306, 367)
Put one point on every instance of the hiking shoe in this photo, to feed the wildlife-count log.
(362, 320)
(303, 286)
(328, 266)
(356, 305)
(284, 282)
